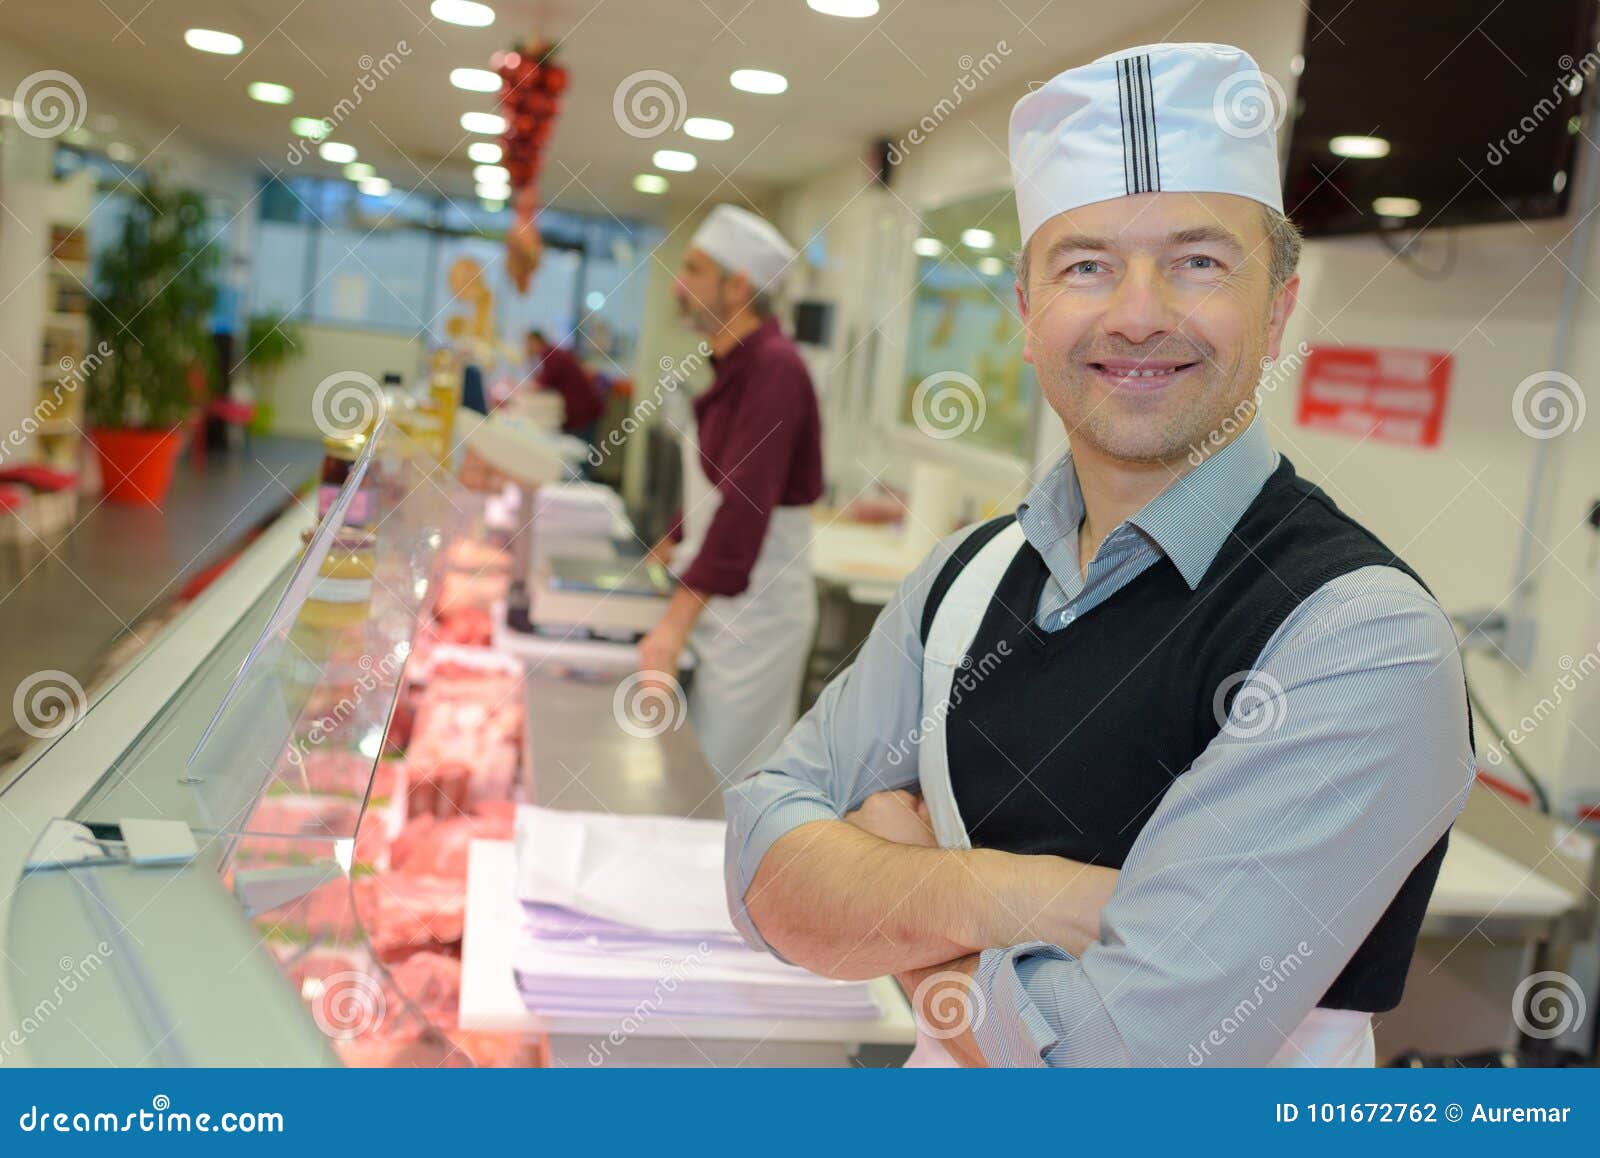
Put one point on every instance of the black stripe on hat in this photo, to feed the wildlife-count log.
(1155, 141)
(1125, 109)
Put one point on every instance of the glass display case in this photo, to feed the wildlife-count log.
(199, 862)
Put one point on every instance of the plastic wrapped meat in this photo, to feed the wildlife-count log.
(439, 847)
(471, 723)
(469, 591)
(402, 911)
(469, 625)
(475, 555)
(431, 981)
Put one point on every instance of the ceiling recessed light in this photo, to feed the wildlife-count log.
(489, 124)
(475, 79)
(375, 186)
(359, 171)
(991, 266)
(1396, 206)
(1358, 146)
(650, 183)
(120, 151)
(708, 128)
(758, 81)
(310, 128)
(484, 152)
(463, 12)
(268, 93)
(674, 161)
(491, 174)
(977, 238)
(850, 9)
(493, 193)
(594, 300)
(927, 247)
(339, 154)
(210, 40)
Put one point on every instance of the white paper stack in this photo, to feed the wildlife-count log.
(624, 915)
(579, 510)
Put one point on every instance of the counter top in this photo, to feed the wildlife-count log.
(579, 759)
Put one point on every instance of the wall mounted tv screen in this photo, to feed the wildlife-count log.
(1438, 112)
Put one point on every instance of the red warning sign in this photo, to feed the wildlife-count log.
(1374, 392)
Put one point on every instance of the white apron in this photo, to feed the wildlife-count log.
(1327, 1037)
(751, 648)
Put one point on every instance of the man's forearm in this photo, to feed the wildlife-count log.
(844, 903)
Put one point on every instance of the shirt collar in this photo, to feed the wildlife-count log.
(727, 368)
(1188, 522)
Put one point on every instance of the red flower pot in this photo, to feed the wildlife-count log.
(135, 465)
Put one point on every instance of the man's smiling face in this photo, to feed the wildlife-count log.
(1148, 317)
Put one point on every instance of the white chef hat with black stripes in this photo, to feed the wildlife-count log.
(1188, 118)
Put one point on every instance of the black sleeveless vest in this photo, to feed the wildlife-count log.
(1131, 689)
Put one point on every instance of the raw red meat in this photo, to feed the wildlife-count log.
(439, 847)
(401, 911)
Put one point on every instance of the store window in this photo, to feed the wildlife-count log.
(964, 379)
(343, 258)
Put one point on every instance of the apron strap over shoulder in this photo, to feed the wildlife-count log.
(955, 625)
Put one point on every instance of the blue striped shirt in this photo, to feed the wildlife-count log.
(1298, 836)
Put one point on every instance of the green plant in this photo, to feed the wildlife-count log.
(152, 309)
(270, 341)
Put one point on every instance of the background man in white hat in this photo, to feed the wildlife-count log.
(752, 467)
(1159, 770)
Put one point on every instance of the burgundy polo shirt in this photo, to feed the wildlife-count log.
(760, 446)
(558, 370)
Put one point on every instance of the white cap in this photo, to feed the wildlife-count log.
(1186, 118)
(741, 242)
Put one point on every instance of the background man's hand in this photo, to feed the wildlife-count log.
(899, 816)
(662, 649)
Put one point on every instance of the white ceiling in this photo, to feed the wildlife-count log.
(851, 81)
